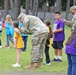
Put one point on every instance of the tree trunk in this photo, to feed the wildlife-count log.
(44, 11)
(58, 5)
(12, 5)
(74, 2)
(31, 5)
(36, 8)
(17, 4)
(6, 7)
(67, 8)
(27, 6)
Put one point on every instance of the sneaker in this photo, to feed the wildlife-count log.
(44, 63)
(55, 60)
(16, 65)
(48, 64)
(0, 46)
(7, 47)
(23, 51)
(59, 60)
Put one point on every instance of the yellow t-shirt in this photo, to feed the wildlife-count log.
(20, 43)
(48, 29)
(51, 39)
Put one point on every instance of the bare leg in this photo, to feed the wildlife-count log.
(56, 53)
(18, 55)
(60, 54)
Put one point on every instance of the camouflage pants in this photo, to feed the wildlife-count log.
(38, 46)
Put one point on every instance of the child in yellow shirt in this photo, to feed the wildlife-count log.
(48, 43)
(18, 44)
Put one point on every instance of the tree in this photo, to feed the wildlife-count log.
(6, 7)
(31, 5)
(44, 11)
(12, 5)
(67, 8)
(27, 7)
(74, 2)
(35, 7)
(58, 5)
(17, 6)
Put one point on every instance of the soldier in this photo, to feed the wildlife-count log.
(71, 43)
(73, 22)
(33, 25)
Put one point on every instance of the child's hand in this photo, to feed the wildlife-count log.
(14, 46)
(54, 32)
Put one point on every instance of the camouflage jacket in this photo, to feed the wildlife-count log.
(32, 24)
(72, 23)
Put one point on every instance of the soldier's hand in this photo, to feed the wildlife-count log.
(64, 20)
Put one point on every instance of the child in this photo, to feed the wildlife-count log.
(48, 43)
(59, 37)
(24, 37)
(9, 30)
(18, 44)
(0, 33)
(3, 24)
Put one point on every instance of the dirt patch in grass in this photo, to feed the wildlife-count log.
(32, 73)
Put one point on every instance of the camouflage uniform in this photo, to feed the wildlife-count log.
(33, 25)
(72, 23)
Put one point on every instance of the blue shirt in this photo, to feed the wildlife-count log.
(9, 29)
(20, 25)
(0, 25)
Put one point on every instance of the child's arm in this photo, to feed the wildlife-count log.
(6, 26)
(15, 42)
(17, 30)
(15, 39)
(61, 27)
(58, 30)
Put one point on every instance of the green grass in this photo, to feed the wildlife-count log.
(8, 57)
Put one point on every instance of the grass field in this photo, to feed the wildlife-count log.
(8, 57)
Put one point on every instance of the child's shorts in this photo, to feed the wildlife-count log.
(57, 44)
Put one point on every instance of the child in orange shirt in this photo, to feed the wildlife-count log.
(18, 44)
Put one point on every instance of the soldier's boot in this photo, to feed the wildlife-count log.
(31, 66)
(38, 65)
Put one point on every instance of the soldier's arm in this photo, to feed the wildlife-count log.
(25, 28)
(69, 23)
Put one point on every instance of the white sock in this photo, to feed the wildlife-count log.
(60, 57)
(56, 57)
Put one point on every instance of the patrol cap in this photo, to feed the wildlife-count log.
(72, 8)
(20, 15)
